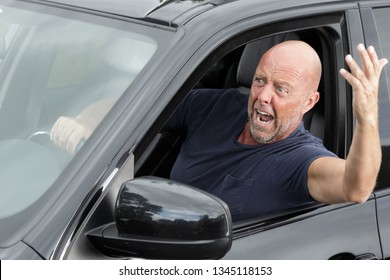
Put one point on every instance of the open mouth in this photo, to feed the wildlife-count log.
(264, 117)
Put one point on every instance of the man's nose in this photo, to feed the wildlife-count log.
(264, 94)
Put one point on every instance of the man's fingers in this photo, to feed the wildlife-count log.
(67, 133)
(372, 65)
(73, 140)
(68, 128)
(56, 131)
(371, 69)
(351, 79)
(377, 63)
(368, 59)
(76, 138)
(356, 71)
(382, 63)
(365, 82)
(373, 57)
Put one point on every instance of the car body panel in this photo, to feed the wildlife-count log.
(383, 205)
(19, 251)
(136, 8)
(313, 236)
(172, 12)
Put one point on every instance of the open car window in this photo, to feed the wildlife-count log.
(235, 69)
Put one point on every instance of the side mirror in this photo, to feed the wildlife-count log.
(161, 219)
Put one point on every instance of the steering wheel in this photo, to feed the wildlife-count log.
(42, 137)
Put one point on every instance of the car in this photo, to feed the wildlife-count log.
(112, 198)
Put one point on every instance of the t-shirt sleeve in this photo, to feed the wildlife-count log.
(304, 158)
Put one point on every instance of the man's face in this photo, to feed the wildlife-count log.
(278, 99)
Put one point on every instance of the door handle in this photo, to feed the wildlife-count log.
(350, 256)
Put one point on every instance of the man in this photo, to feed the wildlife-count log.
(256, 155)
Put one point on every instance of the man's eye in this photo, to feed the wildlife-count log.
(282, 90)
(260, 81)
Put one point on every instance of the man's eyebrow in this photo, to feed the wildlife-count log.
(257, 75)
(283, 83)
(280, 82)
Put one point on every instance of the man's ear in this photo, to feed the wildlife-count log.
(311, 100)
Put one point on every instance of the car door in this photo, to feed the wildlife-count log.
(375, 27)
(346, 231)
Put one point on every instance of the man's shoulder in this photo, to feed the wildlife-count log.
(224, 95)
(307, 143)
(215, 91)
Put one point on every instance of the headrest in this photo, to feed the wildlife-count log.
(252, 54)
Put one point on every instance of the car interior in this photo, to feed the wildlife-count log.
(236, 70)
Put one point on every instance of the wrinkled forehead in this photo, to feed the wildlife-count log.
(292, 55)
(294, 62)
(281, 68)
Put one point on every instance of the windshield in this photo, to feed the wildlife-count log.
(55, 62)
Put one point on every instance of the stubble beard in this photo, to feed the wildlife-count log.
(280, 129)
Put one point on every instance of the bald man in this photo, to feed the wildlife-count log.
(254, 153)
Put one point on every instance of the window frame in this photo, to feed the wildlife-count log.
(372, 37)
(333, 27)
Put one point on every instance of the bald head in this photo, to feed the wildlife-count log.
(283, 89)
(299, 58)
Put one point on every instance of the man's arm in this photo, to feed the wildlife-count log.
(333, 180)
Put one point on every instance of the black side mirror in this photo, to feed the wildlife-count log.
(161, 219)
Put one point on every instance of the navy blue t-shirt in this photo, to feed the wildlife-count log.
(252, 180)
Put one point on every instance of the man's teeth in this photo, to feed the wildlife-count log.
(264, 117)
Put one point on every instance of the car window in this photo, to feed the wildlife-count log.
(54, 63)
(382, 20)
(232, 70)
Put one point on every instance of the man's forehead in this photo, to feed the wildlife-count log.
(281, 74)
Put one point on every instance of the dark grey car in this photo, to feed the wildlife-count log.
(112, 198)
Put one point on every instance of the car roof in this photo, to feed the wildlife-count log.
(173, 12)
(158, 11)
